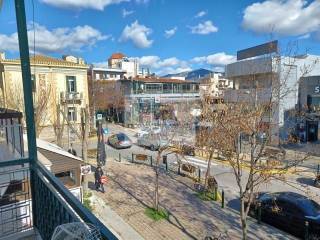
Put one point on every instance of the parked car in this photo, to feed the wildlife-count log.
(188, 150)
(151, 140)
(119, 141)
(146, 130)
(289, 211)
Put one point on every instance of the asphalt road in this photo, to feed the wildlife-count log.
(222, 172)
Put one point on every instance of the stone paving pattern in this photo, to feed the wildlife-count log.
(130, 190)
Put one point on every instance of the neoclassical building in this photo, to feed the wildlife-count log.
(55, 82)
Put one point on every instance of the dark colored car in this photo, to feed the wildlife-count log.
(289, 212)
(188, 150)
(119, 141)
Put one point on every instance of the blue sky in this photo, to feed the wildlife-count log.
(166, 35)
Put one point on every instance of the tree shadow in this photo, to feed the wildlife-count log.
(306, 181)
(234, 204)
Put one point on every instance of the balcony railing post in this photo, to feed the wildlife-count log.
(28, 99)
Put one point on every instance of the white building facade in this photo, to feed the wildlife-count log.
(267, 77)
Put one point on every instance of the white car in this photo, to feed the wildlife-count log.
(147, 130)
(151, 140)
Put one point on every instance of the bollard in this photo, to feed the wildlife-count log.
(119, 157)
(199, 175)
(222, 198)
(151, 161)
(132, 157)
(167, 166)
(259, 212)
(215, 193)
(306, 236)
(164, 159)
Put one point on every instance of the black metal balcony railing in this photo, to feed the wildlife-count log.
(50, 205)
(71, 96)
(31, 197)
(11, 132)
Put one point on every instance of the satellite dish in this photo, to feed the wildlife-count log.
(76, 231)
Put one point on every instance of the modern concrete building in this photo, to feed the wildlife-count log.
(143, 100)
(261, 75)
(105, 74)
(213, 86)
(308, 122)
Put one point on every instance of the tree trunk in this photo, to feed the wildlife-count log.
(156, 188)
(85, 132)
(243, 218)
(208, 171)
(58, 127)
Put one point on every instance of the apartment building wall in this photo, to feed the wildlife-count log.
(275, 78)
(50, 81)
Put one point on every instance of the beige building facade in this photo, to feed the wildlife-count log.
(54, 82)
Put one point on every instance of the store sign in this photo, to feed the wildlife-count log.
(85, 169)
(99, 116)
(317, 89)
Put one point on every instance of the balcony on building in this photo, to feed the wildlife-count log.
(71, 97)
(33, 202)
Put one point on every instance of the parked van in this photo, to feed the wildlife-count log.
(151, 140)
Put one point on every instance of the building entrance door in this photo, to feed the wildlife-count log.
(312, 131)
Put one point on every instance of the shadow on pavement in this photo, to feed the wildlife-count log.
(234, 204)
(307, 181)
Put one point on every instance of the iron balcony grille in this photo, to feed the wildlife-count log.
(47, 206)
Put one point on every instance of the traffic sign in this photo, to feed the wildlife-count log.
(99, 116)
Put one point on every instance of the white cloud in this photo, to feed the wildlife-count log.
(155, 62)
(126, 12)
(138, 34)
(285, 17)
(164, 66)
(204, 28)
(169, 33)
(149, 61)
(172, 70)
(200, 14)
(82, 4)
(305, 36)
(218, 69)
(219, 59)
(56, 40)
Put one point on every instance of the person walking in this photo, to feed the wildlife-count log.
(98, 174)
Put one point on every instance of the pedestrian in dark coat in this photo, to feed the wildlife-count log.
(97, 176)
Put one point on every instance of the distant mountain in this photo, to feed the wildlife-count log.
(193, 75)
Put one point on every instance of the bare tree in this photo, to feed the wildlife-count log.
(171, 144)
(253, 114)
(42, 97)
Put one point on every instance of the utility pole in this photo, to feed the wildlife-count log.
(84, 141)
(85, 132)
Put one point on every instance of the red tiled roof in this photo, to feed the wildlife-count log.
(117, 56)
